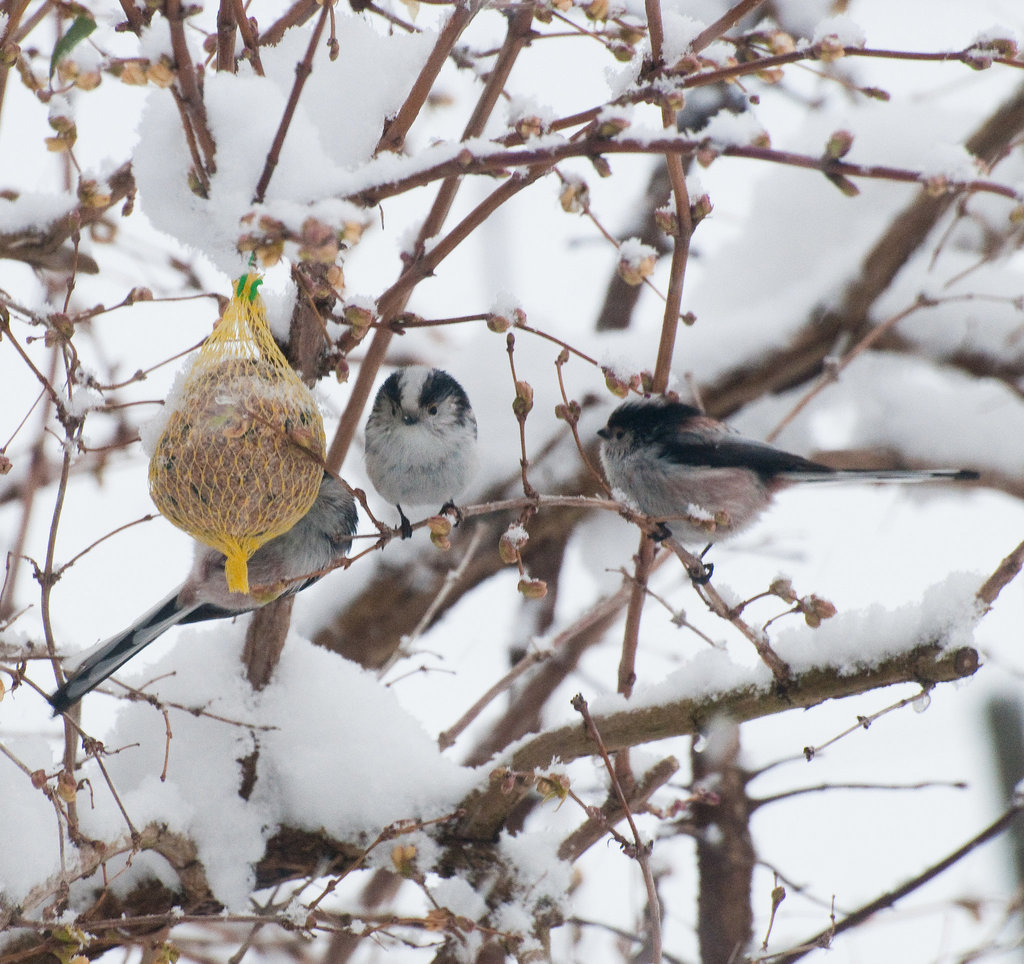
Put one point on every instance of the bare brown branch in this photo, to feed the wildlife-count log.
(486, 811)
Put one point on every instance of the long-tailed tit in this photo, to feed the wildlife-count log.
(281, 567)
(683, 467)
(420, 440)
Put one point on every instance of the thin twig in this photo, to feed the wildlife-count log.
(43, 380)
(571, 414)
(829, 787)
(624, 934)
(95, 750)
(194, 109)
(863, 722)
(824, 938)
(654, 91)
(447, 738)
(48, 578)
(521, 407)
(10, 756)
(226, 36)
(33, 483)
(302, 71)
(397, 829)
(830, 374)
(392, 302)
(188, 128)
(451, 580)
(641, 850)
(113, 532)
(725, 22)
(296, 15)
(394, 134)
(249, 38)
(631, 633)
(707, 592)
(550, 154)
(599, 613)
(585, 836)
(1005, 573)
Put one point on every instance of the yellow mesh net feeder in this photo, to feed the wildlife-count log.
(241, 457)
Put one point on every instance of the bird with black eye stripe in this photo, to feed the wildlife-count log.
(679, 466)
(420, 441)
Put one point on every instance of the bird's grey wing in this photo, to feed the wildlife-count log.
(725, 451)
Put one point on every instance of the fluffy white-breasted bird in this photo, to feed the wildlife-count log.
(420, 440)
(679, 465)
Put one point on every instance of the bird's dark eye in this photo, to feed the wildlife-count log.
(619, 434)
(432, 410)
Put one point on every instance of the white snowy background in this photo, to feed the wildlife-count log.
(349, 752)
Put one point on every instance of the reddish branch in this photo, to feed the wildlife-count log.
(193, 109)
(727, 21)
(663, 363)
(136, 21)
(970, 56)
(612, 811)
(394, 134)
(643, 561)
(226, 36)
(498, 162)
(1007, 571)
(249, 38)
(393, 301)
(302, 71)
(684, 77)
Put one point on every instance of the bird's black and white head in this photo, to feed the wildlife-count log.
(425, 397)
(650, 422)
(420, 437)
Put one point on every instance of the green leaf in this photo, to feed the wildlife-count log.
(80, 28)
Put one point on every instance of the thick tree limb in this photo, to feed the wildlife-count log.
(926, 664)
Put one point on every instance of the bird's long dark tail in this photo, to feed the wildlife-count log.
(883, 475)
(108, 657)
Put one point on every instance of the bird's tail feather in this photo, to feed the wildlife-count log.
(883, 475)
(111, 655)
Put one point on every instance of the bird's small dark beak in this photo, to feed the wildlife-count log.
(604, 433)
(409, 419)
